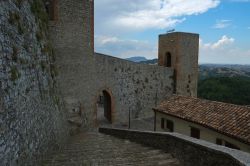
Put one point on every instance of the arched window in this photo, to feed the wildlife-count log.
(168, 59)
(51, 9)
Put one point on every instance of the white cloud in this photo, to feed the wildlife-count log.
(125, 48)
(131, 15)
(220, 24)
(119, 19)
(220, 44)
(102, 40)
(223, 51)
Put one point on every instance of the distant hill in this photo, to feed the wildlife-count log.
(150, 62)
(143, 60)
(137, 59)
(208, 70)
(213, 70)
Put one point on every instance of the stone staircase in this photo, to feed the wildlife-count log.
(96, 149)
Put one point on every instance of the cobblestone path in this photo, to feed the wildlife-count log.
(96, 149)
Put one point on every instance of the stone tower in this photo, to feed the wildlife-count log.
(72, 24)
(72, 37)
(179, 51)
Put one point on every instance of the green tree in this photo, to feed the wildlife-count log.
(234, 90)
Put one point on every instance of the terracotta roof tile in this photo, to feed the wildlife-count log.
(229, 119)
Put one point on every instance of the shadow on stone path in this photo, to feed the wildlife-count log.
(96, 149)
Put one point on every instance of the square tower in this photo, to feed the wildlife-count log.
(179, 51)
(72, 25)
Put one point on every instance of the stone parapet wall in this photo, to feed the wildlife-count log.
(187, 150)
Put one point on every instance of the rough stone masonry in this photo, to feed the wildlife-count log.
(132, 87)
(49, 69)
(31, 114)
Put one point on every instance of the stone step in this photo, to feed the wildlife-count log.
(172, 162)
(162, 155)
(75, 120)
(97, 149)
(74, 130)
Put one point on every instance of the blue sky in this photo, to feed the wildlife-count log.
(125, 28)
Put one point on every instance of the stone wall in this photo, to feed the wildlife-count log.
(31, 112)
(71, 36)
(135, 87)
(187, 150)
(84, 75)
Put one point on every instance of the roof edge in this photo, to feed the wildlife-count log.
(206, 126)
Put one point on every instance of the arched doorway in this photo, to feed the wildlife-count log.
(104, 108)
(107, 106)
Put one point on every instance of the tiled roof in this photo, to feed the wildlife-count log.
(229, 119)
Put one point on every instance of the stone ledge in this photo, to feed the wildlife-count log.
(188, 150)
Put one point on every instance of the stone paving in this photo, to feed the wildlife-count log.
(96, 149)
(135, 124)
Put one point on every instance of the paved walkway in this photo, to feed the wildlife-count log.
(96, 149)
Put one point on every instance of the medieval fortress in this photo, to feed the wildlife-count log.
(49, 73)
(84, 74)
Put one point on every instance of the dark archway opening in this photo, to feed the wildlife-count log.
(51, 9)
(107, 106)
(168, 59)
(104, 108)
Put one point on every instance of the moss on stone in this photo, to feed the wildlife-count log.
(14, 18)
(23, 61)
(15, 54)
(37, 8)
(19, 3)
(21, 28)
(43, 65)
(53, 71)
(39, 36)
(14, 74)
